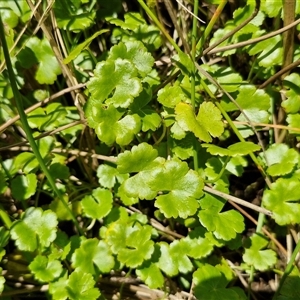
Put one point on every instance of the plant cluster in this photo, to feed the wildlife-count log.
(140, 144)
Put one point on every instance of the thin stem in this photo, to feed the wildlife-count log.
(236, 29)
(26, 127)
(193, 79)
(220, 173)
(211, 24)
(5, 217)
(253, 41)
(288, 269)
(238, 201)
(159, 25)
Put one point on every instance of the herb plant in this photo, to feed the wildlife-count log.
(147, 150)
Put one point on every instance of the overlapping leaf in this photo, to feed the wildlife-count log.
(120, 130)
(125, 86)
(72, 15)
(134, 27)
(40, 52)
(44, 269)
(97, 205)
(174, 259)
(24, 186)
(109, 175)
(283, 200)
(37, 228)
(281, 159)
(170, 96)
(139, 158)
(237, 149)
(207, 123)
(210, 284)
(224, 225)
(255, 254)
(93, 256)
(135, 52)
(149, 271)
(255, 104)
(292, 102)
(197, 244)
(181, 188)
(131, 243)
(80, 286)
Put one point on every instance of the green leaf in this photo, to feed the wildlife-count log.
(166, 263)
(61, 211)
(281, 159)
(170, 96)
(271, 9)
(58, 288)
(250, 98)
(81, 286)
(109, 8)
(237, 149)
(137, 187)
(37, 228)
(139, 247)
(255, 256)
(135, 28)
(109, 175)
(197, 244)
(2, 282)
(224, 225)
(283, 200)
(93, 256)
(181, 186)
(138, 159)
(126, 128)
(79, 48)
(291, 287)
(151, 275)
(73, 16)
(229, 80)
(97, 205)
(9, 17)
(48, 67)
(174, 259)
(208, 121)
(44, 269)
(151, 120)
(59, 171)
(123, 89)
(270, 51)
(210, 284)
(294, 121)
(115, 235)
(183, 148)
(101, 117)
(255, 103)
(24, 186)
(120, 130)
(292, 102)
(135, 52)
(26, 161)
(18, 7)
(127, 200)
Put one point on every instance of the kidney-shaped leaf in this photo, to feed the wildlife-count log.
(283, 199)
(181, 187)
(93, 256)
(36, 228)
(207, 123)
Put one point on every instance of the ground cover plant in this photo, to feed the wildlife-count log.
(149, 149)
